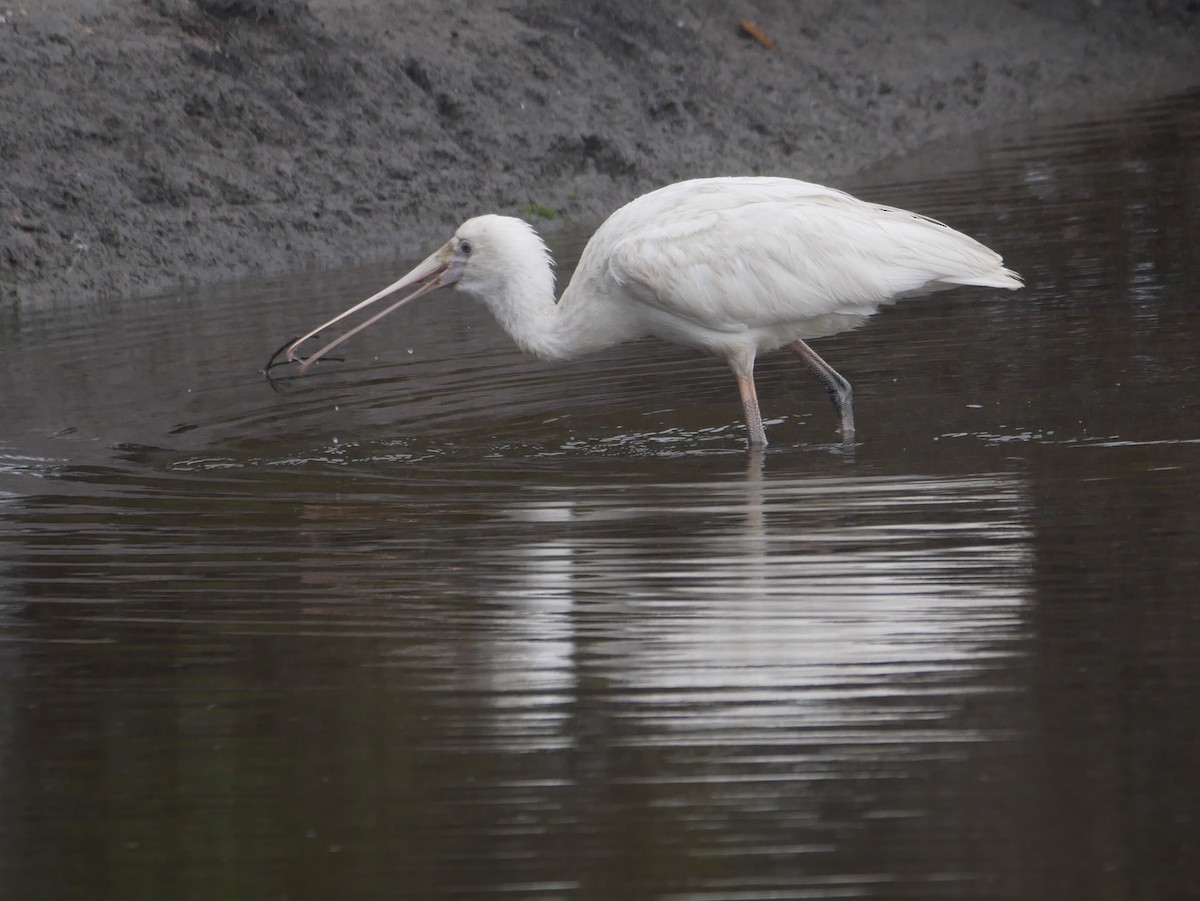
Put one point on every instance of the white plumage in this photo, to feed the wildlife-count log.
(731, 266)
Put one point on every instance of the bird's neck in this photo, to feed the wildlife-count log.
(582, 322)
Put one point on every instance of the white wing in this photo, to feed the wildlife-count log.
(738, 253)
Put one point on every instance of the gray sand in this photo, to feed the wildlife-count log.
(152, 144)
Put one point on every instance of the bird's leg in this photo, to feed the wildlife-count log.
(754, 423)
(839, 389)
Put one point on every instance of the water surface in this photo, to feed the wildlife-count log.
(443, 621)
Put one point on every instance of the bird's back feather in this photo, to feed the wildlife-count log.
(737, 254)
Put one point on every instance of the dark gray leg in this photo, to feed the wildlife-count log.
(839, 389)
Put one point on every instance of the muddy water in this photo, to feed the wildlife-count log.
(441, 621)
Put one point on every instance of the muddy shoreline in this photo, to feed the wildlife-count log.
(153, 144)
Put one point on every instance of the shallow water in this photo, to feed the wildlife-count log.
(442, 621)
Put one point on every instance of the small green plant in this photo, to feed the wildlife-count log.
(541, 211)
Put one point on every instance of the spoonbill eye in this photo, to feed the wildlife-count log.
(465, 247)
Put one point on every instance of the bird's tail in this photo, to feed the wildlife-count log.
(1000, 278)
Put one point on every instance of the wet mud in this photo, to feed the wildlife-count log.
(171, 142)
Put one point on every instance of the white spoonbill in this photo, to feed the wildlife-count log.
(731, 266)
